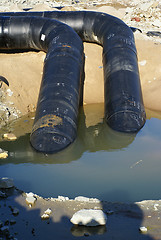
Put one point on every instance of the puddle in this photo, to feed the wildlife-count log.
(101, 163)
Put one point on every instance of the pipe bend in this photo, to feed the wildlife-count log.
(121, 74)
(91, 26)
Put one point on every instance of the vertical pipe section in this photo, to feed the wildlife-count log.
(124, 108)
(55, 125)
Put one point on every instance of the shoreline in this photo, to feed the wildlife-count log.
(25, 221)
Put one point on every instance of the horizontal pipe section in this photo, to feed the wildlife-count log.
(124, 109)
(55, 125)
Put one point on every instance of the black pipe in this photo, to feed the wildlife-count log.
(124, 109)
(55, 125)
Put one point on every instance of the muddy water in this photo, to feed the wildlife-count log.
(101, 163)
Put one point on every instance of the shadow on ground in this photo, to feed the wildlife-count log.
(123, 220)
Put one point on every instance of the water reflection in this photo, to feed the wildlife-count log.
(100, 163)
(79, 231)
(123, 223)
(92, 137)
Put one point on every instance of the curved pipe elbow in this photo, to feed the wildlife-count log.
(124, 109)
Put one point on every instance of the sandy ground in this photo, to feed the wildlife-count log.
(24, 72)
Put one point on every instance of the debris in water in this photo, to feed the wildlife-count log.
(89, 217)
(110, 212)
(6, 182)
(86, 199)
(143, 229)
(4, 229)
(12, 222)
(62, 198)
(2, 194)
(48, 211)
(45, 216)
(3, 154)
(15, 211)
(9, 136)
(30, 199)
(136, 163)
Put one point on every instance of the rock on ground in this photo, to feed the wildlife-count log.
(89, 217)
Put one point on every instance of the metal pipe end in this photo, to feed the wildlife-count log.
(126, 121)
(51, 134)
(48, 142)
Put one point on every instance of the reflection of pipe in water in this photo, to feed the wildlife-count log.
(101, 137)
(124, 110)
(87, 140)
(79, 231)
(21, 154)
